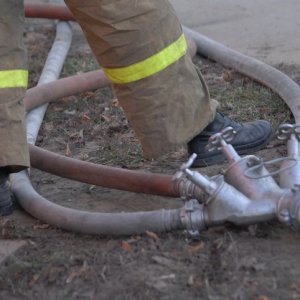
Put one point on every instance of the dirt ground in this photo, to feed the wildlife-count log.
(258, 262)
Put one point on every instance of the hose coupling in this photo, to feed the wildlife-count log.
(203, 182)
(192, 217)
(185, 187)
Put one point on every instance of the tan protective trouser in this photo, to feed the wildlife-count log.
(13, 143)
(167, 108)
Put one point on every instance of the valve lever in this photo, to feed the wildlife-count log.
(220, 141)
(287, 131)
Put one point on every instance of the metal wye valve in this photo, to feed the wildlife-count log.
(247, 193)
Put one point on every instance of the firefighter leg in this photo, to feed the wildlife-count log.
(142, 49)
(13, 82)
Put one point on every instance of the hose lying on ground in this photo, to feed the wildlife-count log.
(130, 223)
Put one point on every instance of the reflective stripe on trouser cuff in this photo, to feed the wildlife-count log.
(149, 66)
(13, 79)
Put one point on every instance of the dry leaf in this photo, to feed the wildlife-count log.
(115, 103)
(70, 112)
(48, 126)
(68, 150)
(262, 298)
(199, 247)
(85, 118)
(191, 280)
(227, 76)
(57, 108)
(89, 95)
(41, 226)
(34, 279)
(105, 118)
(126, 246)
(54, 273)
(152, 235)
(75, 274)
(293, 286)
(80, 134)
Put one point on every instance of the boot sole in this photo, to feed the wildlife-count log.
(6, 211)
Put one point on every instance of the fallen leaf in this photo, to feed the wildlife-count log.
(4, 222)
(41, 226)
(80, 134)
(105, 118)
(251, 263)
(70, 112)
(76, 135)
(48, 126)
(115, 103)
(196, 248)
(152, 235)
(85, 118)
(191, 280)
(34, 279)
(170, 276)
(75, 274)
(262, 298)
(89, 95)
(54, 273)
(293, 286)
(126, 246)
(68, 150)
(169, 263)
(227, 76)
(57, 108)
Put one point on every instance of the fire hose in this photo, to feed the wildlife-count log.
(251, 204)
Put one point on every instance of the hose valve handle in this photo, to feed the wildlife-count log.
(198, 179)
(189, 163)
(291, 134)
(220, 140)
(288, 131)
(184, 166)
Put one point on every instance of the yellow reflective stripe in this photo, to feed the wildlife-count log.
(13, 79)
(149, 66)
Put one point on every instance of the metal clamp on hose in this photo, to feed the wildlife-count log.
(192, 217)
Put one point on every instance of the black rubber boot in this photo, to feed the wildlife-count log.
(6, 206)
(250, 137)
